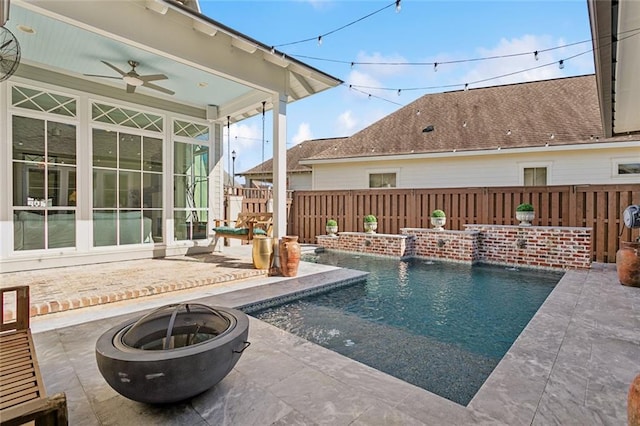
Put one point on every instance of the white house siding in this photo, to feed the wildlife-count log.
(589, 165)
(299, 181)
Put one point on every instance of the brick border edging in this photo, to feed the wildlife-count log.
(56, 306)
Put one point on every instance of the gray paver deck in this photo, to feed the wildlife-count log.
(571, 365)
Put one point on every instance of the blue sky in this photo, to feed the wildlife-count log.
(422, 31)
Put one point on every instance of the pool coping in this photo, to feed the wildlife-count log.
(554, 372)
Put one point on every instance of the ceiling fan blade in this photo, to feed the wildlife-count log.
(102, 76)
(131, 88)
(153, 77)
(113, 67)
(158, 88)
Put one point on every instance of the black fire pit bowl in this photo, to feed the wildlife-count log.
(173, 353)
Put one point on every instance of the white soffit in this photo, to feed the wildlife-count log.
(206, 63)
(627, 78)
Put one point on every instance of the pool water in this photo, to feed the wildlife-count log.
(440, 326)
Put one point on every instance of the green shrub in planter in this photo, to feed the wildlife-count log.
(525, 207)
(332, 222)
(438, 213)
(370, 218)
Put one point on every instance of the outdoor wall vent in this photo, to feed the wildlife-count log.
(428, 129)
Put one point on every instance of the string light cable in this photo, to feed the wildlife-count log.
(561, 63)
(319, 38)
(437, 64)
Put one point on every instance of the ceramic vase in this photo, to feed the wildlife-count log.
(289, 254)
(262, 252)
(628, 263)
(633, 403)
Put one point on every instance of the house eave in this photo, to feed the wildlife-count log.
(476, 153)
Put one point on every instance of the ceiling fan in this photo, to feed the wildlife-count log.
(133, 79)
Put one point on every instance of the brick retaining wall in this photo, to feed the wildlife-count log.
(541, 247)
(535, 246)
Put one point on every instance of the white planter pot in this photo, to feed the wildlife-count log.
(438, 222)
(332, 230)
(370, 227)
(525, 218)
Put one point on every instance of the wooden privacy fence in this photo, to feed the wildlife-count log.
(596, 206)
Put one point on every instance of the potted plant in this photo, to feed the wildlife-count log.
(332, 227)
(370, 224)
(525, 214)
(438, 219)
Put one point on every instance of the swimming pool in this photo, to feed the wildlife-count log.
(440, 326)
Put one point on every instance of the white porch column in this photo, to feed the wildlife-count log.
(279, 165)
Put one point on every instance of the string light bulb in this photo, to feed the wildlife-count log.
(399, 90)
(418, 112)
(273, 50)
(466, 87)
(319, 40)
(535, 55)
(561, 64)
(509, 132)
(352, 64)
(435, 67)
(398, 7)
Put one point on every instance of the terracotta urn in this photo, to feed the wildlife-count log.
(633, 403)
(628, 263)
(289, 253)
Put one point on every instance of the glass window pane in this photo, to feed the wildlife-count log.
(130, 151)
(182, 158)
(105, 148)
(60, 184)
(61, 226)
(130, 190)
(200, 193)
(130, 227)
(28, 139)
(61, 143)
(152, 154)
(153, 218)
(104, 228)
(180, 194)
(32, 224)
(181, 228)
(201, 161)
(629, 169)
(152, 190)
(104, 188)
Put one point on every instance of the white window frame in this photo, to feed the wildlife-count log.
(535, 164)
(370, 172)
(615, 164)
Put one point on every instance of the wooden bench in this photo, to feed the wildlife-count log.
(245, 227)
(22, 395)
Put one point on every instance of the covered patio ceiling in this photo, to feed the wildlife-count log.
(615, 29)
(214, 71)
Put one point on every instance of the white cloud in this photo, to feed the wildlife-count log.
(364, 82)
(346, 123)
(512, 68)
(304, 133)
(377, 69)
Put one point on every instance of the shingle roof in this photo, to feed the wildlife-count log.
(299, 152)
(509, 116)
